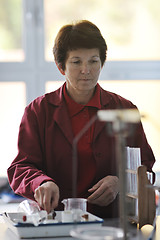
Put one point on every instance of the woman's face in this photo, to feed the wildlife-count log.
(82, 69)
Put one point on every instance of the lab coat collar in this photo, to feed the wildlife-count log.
(62, 116)
(58, 98)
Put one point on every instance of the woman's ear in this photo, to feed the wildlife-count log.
(60, 68)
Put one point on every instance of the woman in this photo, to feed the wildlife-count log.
(42, 169)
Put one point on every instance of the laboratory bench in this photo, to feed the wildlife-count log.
(7, 234)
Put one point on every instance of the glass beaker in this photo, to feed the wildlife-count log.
(75, 203)
(74, 208)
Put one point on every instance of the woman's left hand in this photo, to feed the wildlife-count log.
(105, 191)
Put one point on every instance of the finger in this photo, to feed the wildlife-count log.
(36, 193)
(47, 196)
(47, 203)
(100, 188)
(51, 200)
(39, 196)
(96, 194)
(92, 189)
(96, 186)
(103, 196)
(55, 198)
(54, 202)
(102, 200)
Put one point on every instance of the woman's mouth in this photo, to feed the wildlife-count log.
(85, 79)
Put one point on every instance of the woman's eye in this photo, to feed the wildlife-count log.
(76, 62)
(93, 61)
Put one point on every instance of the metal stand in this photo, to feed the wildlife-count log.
(121, 162)
(120, 120)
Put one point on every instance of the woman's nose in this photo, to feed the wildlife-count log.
(85, 69)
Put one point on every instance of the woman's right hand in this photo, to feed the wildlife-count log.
(47, 196)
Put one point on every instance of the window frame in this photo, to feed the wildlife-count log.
(37, 70)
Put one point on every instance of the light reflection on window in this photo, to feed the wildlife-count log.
(11, 49)
(131, 28)
(13, 101)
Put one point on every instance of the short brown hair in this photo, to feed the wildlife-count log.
(82, 34)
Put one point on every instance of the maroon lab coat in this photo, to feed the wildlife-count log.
(45, 148)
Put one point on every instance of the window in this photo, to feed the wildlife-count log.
(11, 45)
(148, 102)
(12, 98)
(130, 28)
(27, 32)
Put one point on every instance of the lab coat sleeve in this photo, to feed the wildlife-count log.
(147, 156)
(27, 171)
